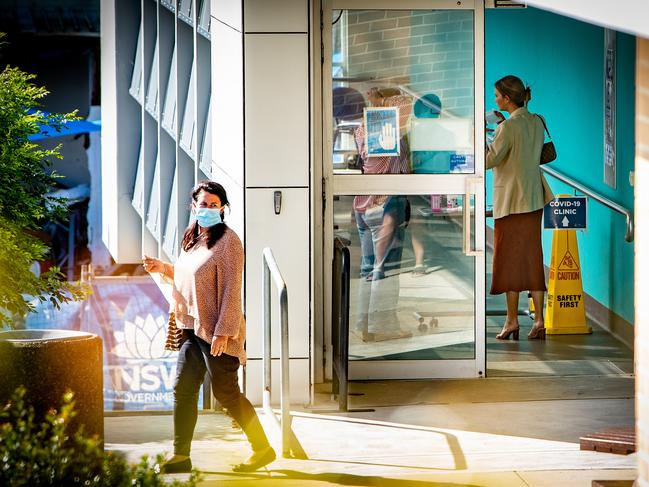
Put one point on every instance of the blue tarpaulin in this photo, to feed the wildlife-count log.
(72, 127)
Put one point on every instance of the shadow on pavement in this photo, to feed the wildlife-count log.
(332, 478)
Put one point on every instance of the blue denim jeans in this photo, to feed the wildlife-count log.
(381, 248)
(194, 359)
(370, 235)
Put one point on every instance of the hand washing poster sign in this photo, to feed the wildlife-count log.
(382, 131)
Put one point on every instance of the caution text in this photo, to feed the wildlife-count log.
(568, 275)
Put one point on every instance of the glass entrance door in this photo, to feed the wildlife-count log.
(403, 88)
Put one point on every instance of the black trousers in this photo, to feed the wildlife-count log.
(194, 359)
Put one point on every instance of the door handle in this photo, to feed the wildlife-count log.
(277, 201)
(469, 190)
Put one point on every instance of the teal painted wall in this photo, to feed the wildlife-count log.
(562, 60)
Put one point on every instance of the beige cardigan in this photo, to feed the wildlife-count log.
(519, 185)
(207, 292)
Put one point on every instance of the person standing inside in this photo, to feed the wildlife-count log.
(519, 194)
(207, 280)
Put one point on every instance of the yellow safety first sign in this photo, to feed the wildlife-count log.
(566, 312)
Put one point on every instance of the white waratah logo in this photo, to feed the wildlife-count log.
(143, 339)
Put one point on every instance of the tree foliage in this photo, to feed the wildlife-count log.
(34, 454)
(26, 179)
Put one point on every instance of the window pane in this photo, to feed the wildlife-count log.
(411, 286)
(410, 72)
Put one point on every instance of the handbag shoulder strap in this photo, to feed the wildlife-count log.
(544, 126)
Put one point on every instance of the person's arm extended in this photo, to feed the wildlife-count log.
(499, 148)
(151, 264)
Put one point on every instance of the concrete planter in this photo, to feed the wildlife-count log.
(50, 362)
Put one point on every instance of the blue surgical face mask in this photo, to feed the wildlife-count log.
(208, 217)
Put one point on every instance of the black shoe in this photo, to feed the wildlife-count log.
(179, 466)
(257, 460)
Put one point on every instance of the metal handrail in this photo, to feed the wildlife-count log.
(597, 197)
(271, 269)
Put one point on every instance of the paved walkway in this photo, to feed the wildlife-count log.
(520, 426)
(501, 432)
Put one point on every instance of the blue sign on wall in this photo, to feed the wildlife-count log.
(565, 213)
(382, 131)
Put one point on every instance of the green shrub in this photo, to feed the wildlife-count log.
(34, 455)
(26, 182)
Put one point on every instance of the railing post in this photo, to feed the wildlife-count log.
(340, 324)
(272, 271)
(335, 318)
(266, 303)
(285, 374)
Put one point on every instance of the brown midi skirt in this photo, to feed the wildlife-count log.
(518, 255)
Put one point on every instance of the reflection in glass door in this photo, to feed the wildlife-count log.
(420, 63)
(407, 187)
(412, 287)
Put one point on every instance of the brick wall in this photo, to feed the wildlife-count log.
(642, 260)
(429, 52)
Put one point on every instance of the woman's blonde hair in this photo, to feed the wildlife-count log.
(515, 89)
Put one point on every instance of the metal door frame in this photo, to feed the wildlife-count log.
(466, 184)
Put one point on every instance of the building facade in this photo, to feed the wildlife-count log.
(268, 98)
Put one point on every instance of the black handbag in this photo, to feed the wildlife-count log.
(174, 334)
(548, 151)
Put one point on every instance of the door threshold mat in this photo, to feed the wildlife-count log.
(553, 368)
(619, 440)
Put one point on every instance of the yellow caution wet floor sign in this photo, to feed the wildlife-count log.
(566, 312)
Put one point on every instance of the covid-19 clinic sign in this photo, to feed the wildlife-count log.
(565, 213)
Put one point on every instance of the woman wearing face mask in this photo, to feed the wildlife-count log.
(207, 280)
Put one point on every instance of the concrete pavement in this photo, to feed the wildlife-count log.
(502, 431)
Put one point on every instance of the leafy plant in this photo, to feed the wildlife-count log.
(34, 455)
(26, 179)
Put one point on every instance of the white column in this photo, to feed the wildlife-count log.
(260, 135)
